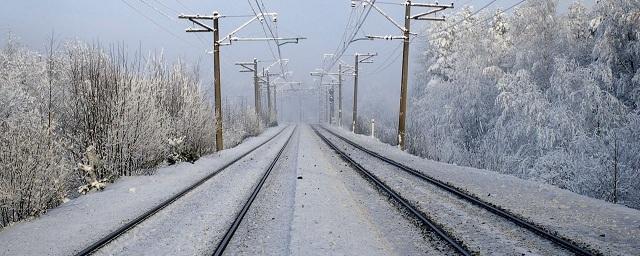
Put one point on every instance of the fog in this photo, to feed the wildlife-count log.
(153, 26)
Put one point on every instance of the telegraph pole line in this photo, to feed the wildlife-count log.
(227, 40)
(253, 67)
(356, 72)
(406, 34)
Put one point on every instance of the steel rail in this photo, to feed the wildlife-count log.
(222, 245)
(131, 224)
(567, 244)
(408, 206)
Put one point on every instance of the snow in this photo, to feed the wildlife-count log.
(611, 229)
(480, 230)
(313, 204)
(265, 228)
(194, 224)
(81, 221)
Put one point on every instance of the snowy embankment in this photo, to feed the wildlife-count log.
(79, 222)
(609, 228)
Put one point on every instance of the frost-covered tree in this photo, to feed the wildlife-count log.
(538, 93)
(34, 174)
(81, 116)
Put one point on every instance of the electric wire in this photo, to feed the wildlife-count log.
(157, 24)
(166, 6)
(350, 41)
(274, 35)
(263, 29)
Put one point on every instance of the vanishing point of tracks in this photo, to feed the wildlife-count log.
(457, 245)
(222, 245)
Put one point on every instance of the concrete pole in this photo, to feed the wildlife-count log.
(355, 96)
(216, 82)
(340, 95)
(405, 76)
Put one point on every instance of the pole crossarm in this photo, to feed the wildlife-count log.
(379, 10)
(249, 66)
(259, 16)
(226, 40)
(437, 8)
(198, 16)
(195, 18)
(386, 37)
(422, 16)
(290, 39)
(367, 57)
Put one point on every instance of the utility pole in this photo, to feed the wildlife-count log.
(354, 109)
(216, 66)
(269, 106)
(331, 97)
(331, 109)
(406, 34)
(366, 59)
(227, 40)
(331, 102)
(340, 95)
(253, 67)
(267, 75)
(275, 101)
(402, 116)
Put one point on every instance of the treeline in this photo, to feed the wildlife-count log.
(79, 116)
(537, 93)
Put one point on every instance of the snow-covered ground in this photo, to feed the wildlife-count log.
(194, 224)
(313, 204)
(82, 221)
(611, 229)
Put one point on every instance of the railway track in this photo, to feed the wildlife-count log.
(563, 242)
(141, 218)
(222, 245)
(456, 245)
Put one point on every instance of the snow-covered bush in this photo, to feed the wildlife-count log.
(76, 119)
(34, 174)
(189, 124)
(239, 122)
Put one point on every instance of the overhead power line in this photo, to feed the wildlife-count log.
(274, 35)
(156, 23)
(263, 29)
